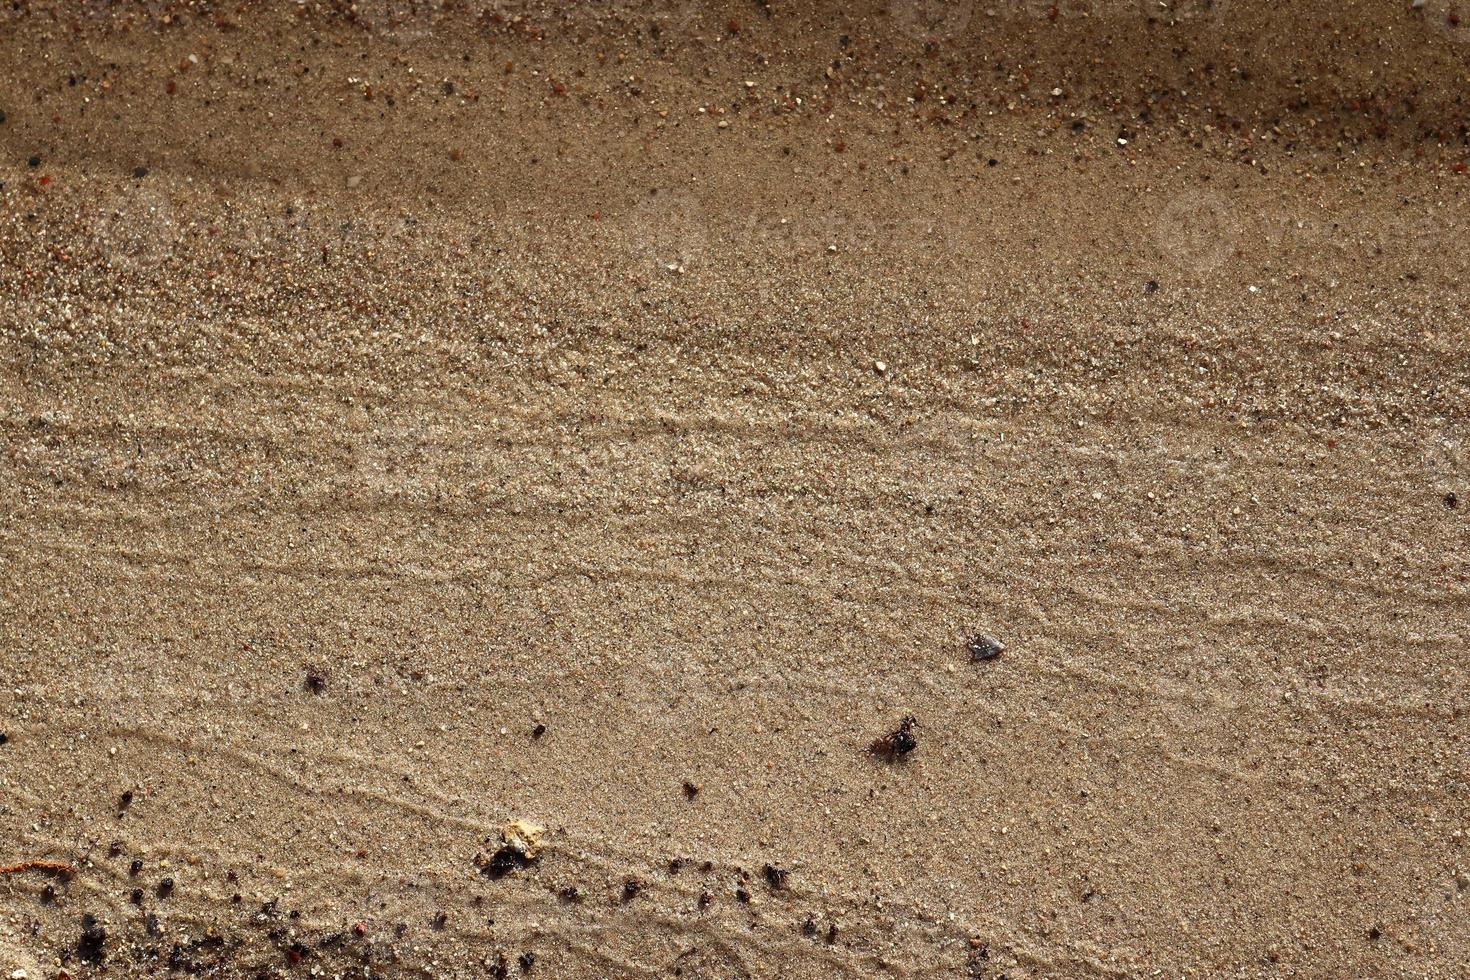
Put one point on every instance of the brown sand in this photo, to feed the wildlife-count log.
(693, 382)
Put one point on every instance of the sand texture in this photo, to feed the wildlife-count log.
(485, 485)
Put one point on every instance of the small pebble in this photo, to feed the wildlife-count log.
(983, 646)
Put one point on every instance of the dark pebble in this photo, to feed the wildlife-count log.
(983, 646)
(631, 888)
(316, 681)
(34, 162)
(690, 790)
(809, 927)
(742, 896)
(1451, 500)
(126, 800)
(136, 897)
(165, 888)
(48, 894)
(136, 867)
(569, 894)
(538, 731)
(527, 961)
(1152, 286)
(140, 172)
(4, 738)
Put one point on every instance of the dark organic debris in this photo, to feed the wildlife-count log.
(979, 954)
(520, 846)
(316, 681)
(94, 938)
(505, 860)
(527, 961)
(690, 790)
(538, 731)
(631, 888)
(899, 742)
(1451, 500)
(983, 646)
(776, 877)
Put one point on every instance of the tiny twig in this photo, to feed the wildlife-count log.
(59, 868)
